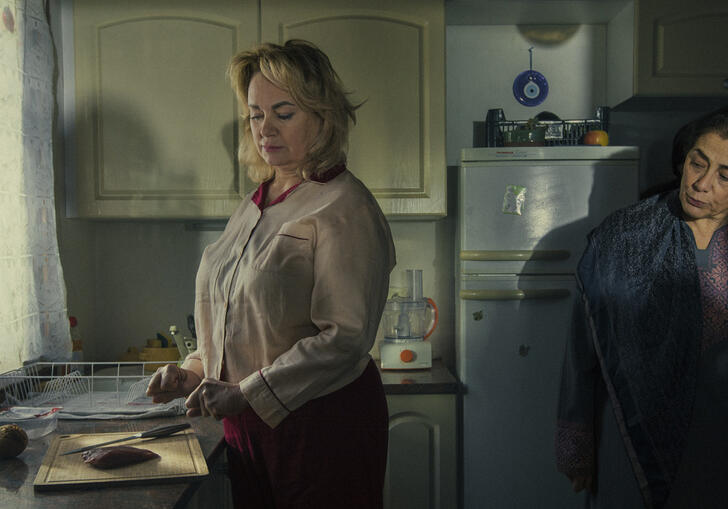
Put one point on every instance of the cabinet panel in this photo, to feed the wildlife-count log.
(421, 463)
(391, 57)
(156, 119)
(667, 48)
(680, 47)
(680, 41)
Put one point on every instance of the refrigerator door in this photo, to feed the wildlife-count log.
(532, 216)
(512, 333)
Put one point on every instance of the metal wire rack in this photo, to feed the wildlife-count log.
(558, 132)
(85, 390)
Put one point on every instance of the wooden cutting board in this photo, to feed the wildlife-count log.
(181, 460)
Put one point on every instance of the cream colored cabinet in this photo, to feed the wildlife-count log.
(422, 459)
(390, 55)
(668, 48)
(155, 117)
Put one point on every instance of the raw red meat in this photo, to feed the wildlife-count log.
(118, 456)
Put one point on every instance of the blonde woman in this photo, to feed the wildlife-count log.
(289, 299)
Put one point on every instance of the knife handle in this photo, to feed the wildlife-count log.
(163, 431)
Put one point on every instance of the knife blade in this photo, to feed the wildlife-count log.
(159, 431)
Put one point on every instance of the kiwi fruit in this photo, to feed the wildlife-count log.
(13, 440)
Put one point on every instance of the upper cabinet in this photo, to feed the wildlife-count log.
(156, 122)
(391, 57)
(668, 48)
(155, 118)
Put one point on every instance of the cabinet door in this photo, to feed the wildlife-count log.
(156, 119)
(389, 54)
(682, 47)
(422, 459)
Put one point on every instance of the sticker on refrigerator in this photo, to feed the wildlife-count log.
(513, 200)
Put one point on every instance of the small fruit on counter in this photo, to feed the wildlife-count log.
(596, 137)
(13, 440)
(117, 456)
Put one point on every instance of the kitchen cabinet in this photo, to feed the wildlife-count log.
(214, 491)
(155, 118)
(391, 56)
(422, 462)
(667, 48)
(156, 121)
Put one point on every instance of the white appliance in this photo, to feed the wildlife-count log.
(523, 217)
(407, 322)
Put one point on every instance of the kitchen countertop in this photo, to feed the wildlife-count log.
(17, 474)
(436, 380)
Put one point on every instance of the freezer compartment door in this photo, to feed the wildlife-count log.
(531, 217)
(511, 339)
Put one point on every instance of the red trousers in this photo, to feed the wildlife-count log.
(329, 454)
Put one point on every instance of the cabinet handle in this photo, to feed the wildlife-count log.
(552, 293)
(506, 256)
(725, 83)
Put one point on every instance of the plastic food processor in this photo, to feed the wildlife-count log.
(407, 322)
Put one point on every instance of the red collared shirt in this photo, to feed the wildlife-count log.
(259, 195)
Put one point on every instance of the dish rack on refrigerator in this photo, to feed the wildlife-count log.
(85, 390)
(558, 132)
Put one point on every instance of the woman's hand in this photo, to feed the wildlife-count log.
(216, 399)
(171, 382)
(581, 482)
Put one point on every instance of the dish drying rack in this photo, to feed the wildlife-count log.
(86, 390)
(558, 132)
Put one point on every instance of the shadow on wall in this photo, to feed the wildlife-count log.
(137, 153)
(548, 35)
(651, 125)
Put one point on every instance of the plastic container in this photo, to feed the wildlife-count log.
(35, 421)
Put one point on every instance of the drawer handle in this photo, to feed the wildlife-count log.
(515, 255)
(552, 293)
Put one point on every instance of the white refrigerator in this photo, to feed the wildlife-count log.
(523, 217)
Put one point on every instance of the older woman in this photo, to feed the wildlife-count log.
(644, 401)
(288, 300)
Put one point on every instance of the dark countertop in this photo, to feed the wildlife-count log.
(17, 474)
(436, 380)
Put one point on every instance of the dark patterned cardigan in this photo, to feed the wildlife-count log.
(639, 328)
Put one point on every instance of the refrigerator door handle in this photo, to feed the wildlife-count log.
(551, 293)
(515, 255)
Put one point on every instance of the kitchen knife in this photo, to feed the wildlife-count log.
(159, 431)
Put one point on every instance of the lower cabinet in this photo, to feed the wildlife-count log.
(422, 459)
(421, 462)
(215, 490)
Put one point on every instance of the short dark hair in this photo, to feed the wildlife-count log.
(686, 137)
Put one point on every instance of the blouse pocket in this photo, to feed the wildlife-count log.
(290, 251)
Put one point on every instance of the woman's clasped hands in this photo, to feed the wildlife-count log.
(205, 397)
(216, 399)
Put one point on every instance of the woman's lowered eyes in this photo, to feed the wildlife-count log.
(257, 112)
(282, 116)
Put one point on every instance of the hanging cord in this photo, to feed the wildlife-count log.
(530, 62)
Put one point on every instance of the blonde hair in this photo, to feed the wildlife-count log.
(304, 72)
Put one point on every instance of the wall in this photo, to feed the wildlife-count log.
(128, 280)
(483, 61)
(651, 125)
(137, 278)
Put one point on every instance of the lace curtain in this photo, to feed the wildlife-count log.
(33, 316)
